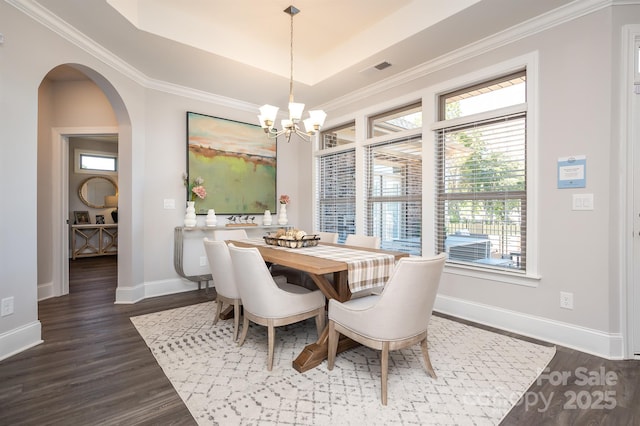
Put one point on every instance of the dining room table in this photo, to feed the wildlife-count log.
(352, 269)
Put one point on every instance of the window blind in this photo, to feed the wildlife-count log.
(481, 192)
(336, 193)
(394, 194)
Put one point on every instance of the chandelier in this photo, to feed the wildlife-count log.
(290, 126)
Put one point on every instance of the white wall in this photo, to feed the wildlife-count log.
(577, 249)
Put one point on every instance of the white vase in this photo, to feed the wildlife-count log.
(190, 216)
(282, 218)
(212, 220)
(266, 219)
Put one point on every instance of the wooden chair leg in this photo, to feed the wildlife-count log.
(245, 328)
(271, 333)
(236, 319)
(218, 312)
(427, 361)
(332, 346)
(320, 321)
(384, 370)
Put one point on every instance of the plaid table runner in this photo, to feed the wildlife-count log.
(365, 269)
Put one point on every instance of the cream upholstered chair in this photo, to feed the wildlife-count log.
(328, 237)
(268, 304)
(223, 280)
(395, 319)
(362, 241)
(230, 234)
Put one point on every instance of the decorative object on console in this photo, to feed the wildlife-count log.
(267, 220)
(282, 217)
(290, 126)
(240, 220)
(212, 220)
(112, 201)
(195, 188)
(190, 216)
(81, 217)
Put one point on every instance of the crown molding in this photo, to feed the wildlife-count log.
(533, 26)
(43, 16)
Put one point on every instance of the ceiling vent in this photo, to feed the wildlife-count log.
(382, 65)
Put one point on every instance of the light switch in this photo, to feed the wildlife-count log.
(169, 203)
(582, 201)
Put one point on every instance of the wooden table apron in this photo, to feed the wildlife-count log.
(317, 268)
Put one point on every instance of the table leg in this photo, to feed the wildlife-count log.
(313, 355)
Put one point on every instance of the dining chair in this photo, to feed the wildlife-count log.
(268, 304)
(327, 237)
(230, 234)
(395, 319)
(223, 280)
(362, 241)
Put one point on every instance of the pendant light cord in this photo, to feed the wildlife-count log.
(291, 68)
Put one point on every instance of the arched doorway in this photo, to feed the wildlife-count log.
(56, 123)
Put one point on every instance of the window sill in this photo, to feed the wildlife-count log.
(509, 277)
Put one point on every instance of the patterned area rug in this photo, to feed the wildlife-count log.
(481, 375)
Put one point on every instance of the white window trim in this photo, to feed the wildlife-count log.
(79, 151)
(531, 276)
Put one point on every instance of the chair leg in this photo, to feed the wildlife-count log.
(271, 337)
(320, 321)
(236, 319)
(384, 370)
(333, 345)
(218, 312)
(427, 361)
(245, 328)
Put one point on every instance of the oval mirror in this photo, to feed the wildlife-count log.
(93, 190)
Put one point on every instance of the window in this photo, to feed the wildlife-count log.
(481, 183)
(94, 161)
(394, 194)
(338, 136)
(399, 120)
(336, 193)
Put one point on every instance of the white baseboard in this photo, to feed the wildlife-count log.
(129, 295)
(20, 339)
(171, 286)
(45, 291)
(595, 342)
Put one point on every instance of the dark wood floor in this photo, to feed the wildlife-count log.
(93, 368)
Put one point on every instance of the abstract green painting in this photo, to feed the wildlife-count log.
(237, 162)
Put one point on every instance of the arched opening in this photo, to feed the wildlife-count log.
(76, 102)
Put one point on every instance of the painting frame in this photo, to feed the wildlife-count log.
(81, 217)
(237, 162)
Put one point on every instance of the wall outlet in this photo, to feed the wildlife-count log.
(566, 300)
(203, 260)
(6, 306)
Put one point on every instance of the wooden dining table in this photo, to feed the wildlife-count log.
(317, 268)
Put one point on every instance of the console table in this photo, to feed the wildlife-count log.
(179, 234)
(94, 240)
